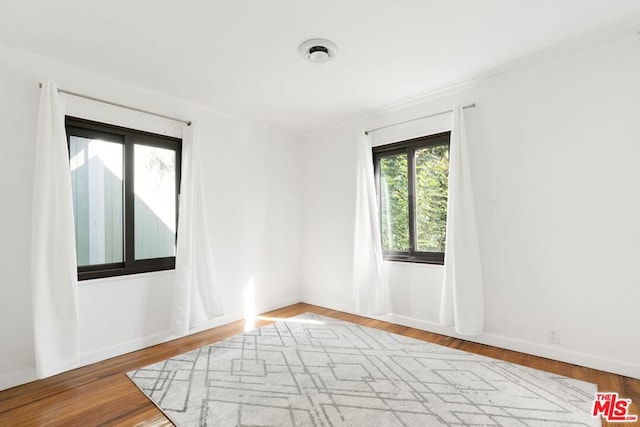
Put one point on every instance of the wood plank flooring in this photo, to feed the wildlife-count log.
(101, 394)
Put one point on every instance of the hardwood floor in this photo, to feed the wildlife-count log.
(101, 394)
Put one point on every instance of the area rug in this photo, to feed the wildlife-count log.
(312, 370)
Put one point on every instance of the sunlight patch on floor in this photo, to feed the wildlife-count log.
(286, 319)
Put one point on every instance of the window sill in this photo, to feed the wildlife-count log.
(402, 265)
(124, 277)
(434, 259)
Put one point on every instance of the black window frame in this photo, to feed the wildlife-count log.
(129, 138)
(409, 148)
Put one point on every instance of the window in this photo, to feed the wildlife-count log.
(412, 180)
(125, 198)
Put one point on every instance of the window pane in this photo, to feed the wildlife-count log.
(432, 179)
(394, 202)
(96, 182)
(154, 202)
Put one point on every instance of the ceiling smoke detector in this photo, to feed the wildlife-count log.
(318, 50)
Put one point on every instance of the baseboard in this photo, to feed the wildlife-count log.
(234, 317)
(158, 338)
(275, 306)
(621, 368)
(560, 354)
(26, 375)
(123, 348)
(15, 378)
(321, 302)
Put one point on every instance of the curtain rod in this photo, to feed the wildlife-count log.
(367, 132)
(115, 104)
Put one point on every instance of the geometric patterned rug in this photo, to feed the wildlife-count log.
(313, 370)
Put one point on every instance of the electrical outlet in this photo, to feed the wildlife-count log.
(553, 335)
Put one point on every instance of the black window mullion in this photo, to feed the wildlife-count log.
(178, 151)
(129, 198)
(412, 197)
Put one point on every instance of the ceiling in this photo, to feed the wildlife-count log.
(240, 57)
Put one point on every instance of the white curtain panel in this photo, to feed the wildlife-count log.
(54, 280)
(371, 292)
(196, 298)
(462, 303)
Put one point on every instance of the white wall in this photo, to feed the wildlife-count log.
(554, 155)
(253, 193)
